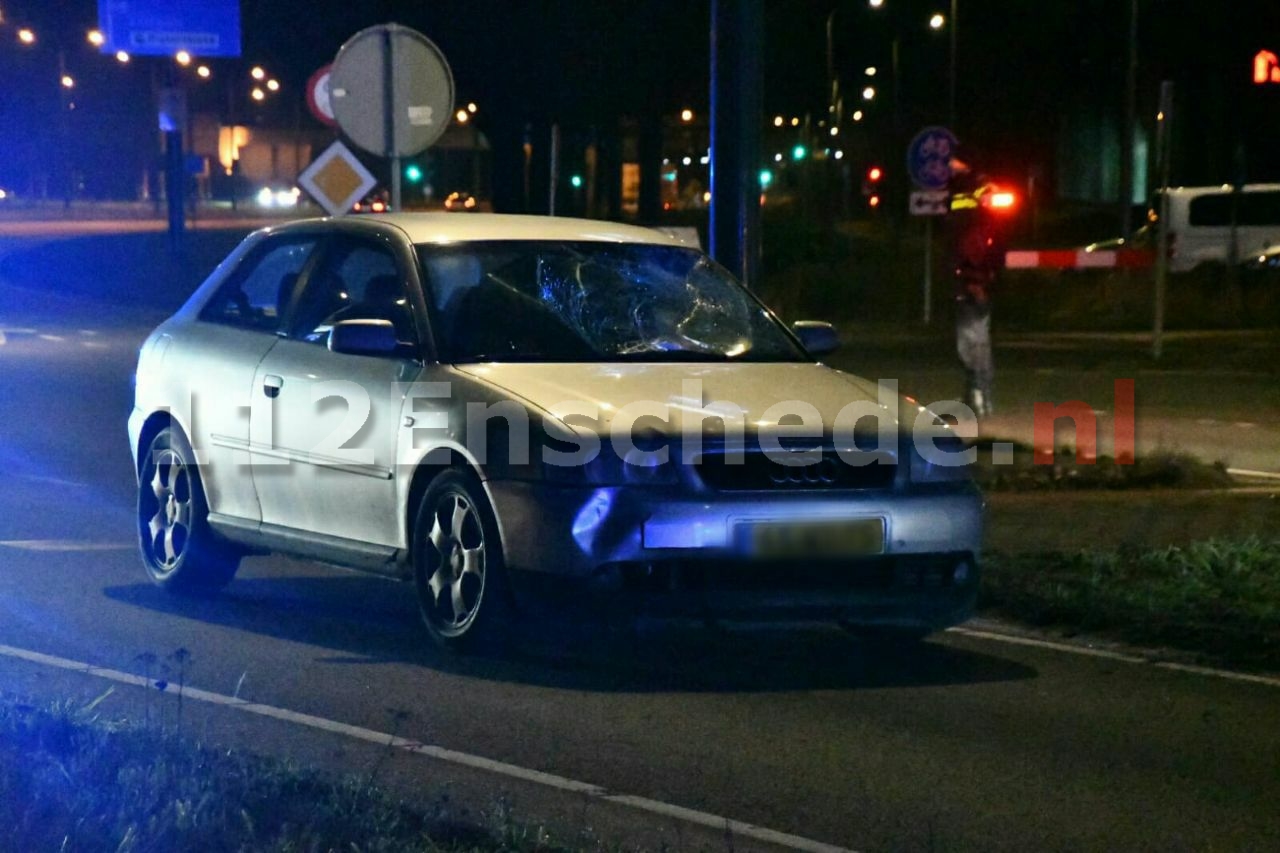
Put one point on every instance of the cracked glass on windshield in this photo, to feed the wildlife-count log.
(593, 301)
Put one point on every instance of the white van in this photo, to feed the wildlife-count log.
(1200, 223)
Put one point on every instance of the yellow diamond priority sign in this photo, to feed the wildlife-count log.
(336, 179)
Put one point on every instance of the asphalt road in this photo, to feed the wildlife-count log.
(971, 744)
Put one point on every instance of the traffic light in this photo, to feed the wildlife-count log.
(576, 181)
(413, 173)
(872, 186)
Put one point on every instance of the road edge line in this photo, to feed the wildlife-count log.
(1121, 657)
(476, 762)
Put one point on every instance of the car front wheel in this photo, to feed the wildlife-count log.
(458, 565)
(179, 550)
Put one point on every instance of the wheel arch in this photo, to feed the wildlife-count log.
(434, 463)
(155, 424)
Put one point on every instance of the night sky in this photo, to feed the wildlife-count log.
(1023, 66)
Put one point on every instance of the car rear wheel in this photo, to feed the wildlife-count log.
(458, 566)
(179, 550)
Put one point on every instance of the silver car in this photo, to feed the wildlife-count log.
(516, 412)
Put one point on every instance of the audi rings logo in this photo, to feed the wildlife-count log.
(825, 472)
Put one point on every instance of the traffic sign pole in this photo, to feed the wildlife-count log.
(928, 270)
(929, 164)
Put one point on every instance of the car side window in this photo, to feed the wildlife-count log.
(357, 280)
(255, 295)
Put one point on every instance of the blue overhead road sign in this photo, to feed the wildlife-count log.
(164, 27)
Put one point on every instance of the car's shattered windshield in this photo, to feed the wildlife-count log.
(593, 301)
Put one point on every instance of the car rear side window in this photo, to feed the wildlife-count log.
(255, 295)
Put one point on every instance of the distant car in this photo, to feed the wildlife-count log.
(1267, 258)
(1200, 224)
(278, 196)
(1142, 239)
(460, 201)
(378, 202)
(510, 410)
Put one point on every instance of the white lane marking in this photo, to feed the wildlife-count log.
(1121, 657)
(550, 780)
(54, 338)
(64, 545)
(1256, 475)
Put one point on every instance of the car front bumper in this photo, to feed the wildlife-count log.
(671, 552)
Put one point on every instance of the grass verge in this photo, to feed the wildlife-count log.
(75, 782)
(1219, 598)
(1158, 470)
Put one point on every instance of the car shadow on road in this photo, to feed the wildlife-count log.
(353, 620)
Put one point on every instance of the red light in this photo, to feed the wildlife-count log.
(874, 201)
(1266, 68)
(1002, 201)
(874, 173)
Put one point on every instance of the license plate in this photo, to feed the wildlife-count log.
(858, 537)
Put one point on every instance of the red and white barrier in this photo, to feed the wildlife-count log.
(1077, 259)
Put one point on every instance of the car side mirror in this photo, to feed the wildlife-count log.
(363, 337)
(817, 337)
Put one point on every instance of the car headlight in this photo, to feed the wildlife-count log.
(642, 465)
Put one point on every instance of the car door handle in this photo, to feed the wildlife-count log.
(271, 385)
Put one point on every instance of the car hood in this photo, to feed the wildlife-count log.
(754, 387)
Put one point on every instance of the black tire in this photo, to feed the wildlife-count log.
(458, 566)
(179, 550)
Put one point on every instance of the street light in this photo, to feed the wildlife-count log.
(257, 94)
(273, 85)
(686, 116)
(183, 58)
(937, 22)
(26, 35)
(67, 81)
(871, 71)
(869, 93)
(857, 115)
(778, 121)
(875, 4)
(257, 73)
(96, 38)
(203, 72)
(471, 108)
(463, 116)
(122, 56)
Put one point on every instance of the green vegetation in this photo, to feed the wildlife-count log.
(73, 781)
(1219, 598)
(1160, 470)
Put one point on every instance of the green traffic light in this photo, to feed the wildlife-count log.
(576, 180)
(413, 173)
(766, 178)
(799, 152)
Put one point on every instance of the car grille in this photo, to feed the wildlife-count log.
(755, 471)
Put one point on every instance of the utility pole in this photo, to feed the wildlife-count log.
(1164, 144)
(1130, 126)
(737, 39)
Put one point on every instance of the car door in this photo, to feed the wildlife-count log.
(326, 425)
(218, 356)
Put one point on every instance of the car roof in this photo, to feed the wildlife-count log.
(476, 227)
